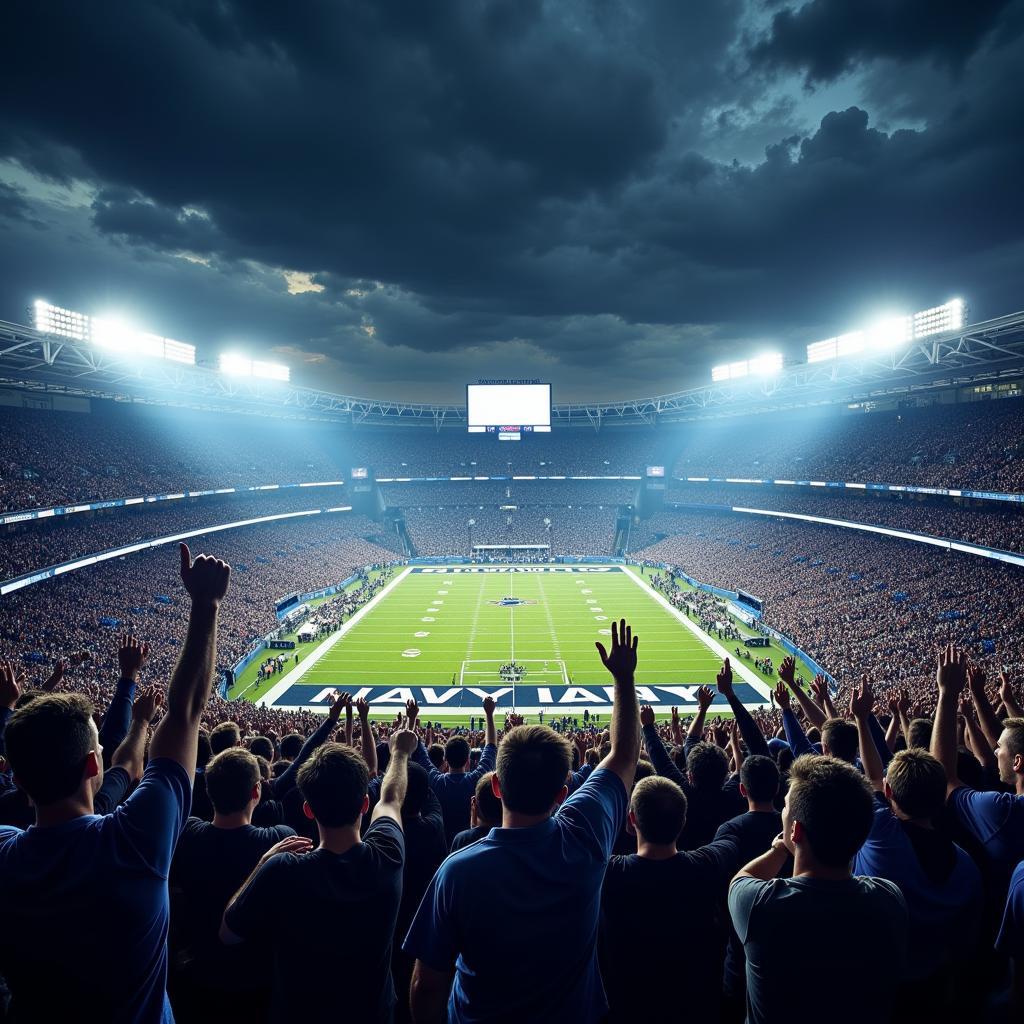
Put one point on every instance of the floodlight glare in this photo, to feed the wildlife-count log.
(767, 364)
(719, 373)
(270, 371)
(235, 365)
(891, 333)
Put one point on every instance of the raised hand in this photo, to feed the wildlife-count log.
(787, 671)
(719, 733)
(55, 677)
(205, 578)
(951, 673)
(146, 703)
(862, 700)
(403, 741)
(341, 700)
(675, 718)
(488, 704)
(976, 678)
(781, 695)
(412, 710)
(819, 688)
(903, 702)
(10, 685)
(621, 660)
(646, 714)
(724, 679)
(131, 657)
(363, 709)
(705, 697)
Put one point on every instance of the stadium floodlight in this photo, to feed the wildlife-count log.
(766, 365)
(233, 364)
(939, 319)
(891, 333)
(718, 373)
(110, 333)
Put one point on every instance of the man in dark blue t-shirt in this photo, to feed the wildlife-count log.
(540, 875)
(76, 884)
(333, 908)
(455, 787)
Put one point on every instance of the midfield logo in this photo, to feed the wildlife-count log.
(511, 602)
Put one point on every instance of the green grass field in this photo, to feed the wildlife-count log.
(432, 627)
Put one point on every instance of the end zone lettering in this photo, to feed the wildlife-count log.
(517, 568)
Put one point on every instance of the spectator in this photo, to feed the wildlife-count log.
(110, 872)
(827, 817)
(650, 893)
(211, 861)
(484, 814)
(342, 898)
(556, 858)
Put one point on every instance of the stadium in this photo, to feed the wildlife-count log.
(490, 665)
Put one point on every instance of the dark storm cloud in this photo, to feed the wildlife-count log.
(824, 38)
(490, 189)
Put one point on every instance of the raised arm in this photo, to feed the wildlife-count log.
(176, 737)
(677, 732)
(861, 702)
(366, 740)
(10, 691)
(348, 721)
(663, 764)
(819, 687)
(289, 777)
(987, 719)
(787, 673)
(695, 730)
(795, 735)
(752, 736)
(975, 741)
(131, 754)
(951, 675)
(625, 726)
(490, 733)
(131, 658)
(1006, 694)
(392, 790)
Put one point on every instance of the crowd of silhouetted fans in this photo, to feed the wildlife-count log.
(839, 851)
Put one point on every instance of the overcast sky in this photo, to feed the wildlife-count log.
(398, 198)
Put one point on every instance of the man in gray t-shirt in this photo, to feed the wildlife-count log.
(827, 817)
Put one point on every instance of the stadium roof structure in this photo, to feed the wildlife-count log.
(984, 352)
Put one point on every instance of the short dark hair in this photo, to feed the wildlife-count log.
(920, 733)
(231, 777)
(291, 745)
(456, 752)
(918, 783)
(1014, 728)
(224, 736)
(533, 762)
(644, 770)
(759, 776)
(708, 765)
(659, 806)
(488, 806)
(47, 741)
(333, 782)
(262, 746)
(840, 736)
(436, 754)
(834, 804)
(278, 768)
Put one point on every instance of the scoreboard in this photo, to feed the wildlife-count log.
(508, 408)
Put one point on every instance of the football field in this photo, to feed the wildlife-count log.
(524, 634)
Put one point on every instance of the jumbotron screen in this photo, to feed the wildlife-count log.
(508, 409)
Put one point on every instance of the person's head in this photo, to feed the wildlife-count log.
(644, 770)
(920, 733)
(278, 768)
(915, 782)
(657, 810)
(264, 766)
(261, 746)
(233, 781)
(203, 751)
(291, 745)
(1009, 751)
(759, 779)
(829, 810)
(436, 754)
(488, 806)
(224, 736)
(707, 765)
(839, 739)
(456, 753)
(415, 790)
(532, 764)
(333, 784)
(53, 748)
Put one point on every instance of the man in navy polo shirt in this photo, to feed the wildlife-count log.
(540, 876)
(77, 886)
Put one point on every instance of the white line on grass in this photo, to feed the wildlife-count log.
(741, 670)
(304, 666)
